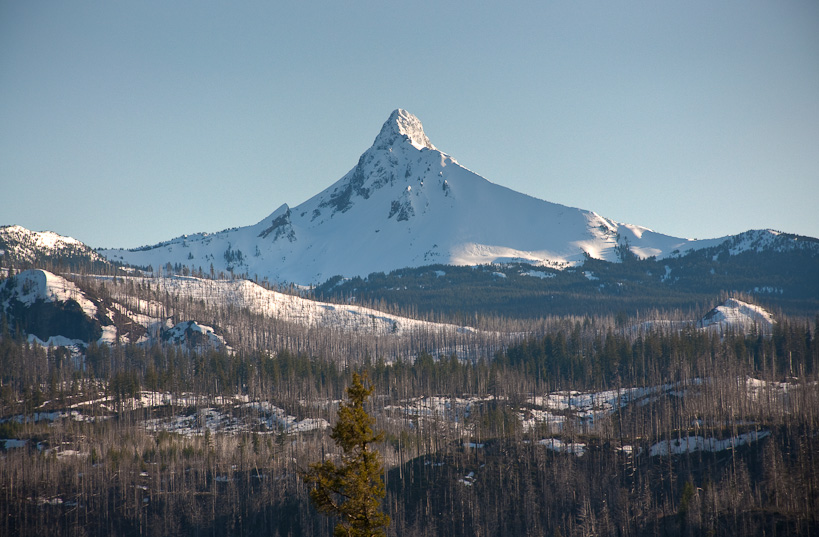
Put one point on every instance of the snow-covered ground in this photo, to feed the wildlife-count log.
(232, 415)
(454, 410)
(197, 336)
(691, 444)
(677, 446)
(31, 286)
(555, 444)
(272, 420)
(584, 409)
(588, 407)
(215, 414)
(40, 285)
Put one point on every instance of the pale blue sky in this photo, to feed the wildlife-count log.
(128, 123)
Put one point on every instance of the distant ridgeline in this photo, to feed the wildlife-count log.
(22, 249)
(775, 270)
(786, 278)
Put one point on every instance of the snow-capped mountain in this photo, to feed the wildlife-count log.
(404, 204)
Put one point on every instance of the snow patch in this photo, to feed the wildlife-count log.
(13, 443)
(538, 274)
(691, 444)
(555, 444)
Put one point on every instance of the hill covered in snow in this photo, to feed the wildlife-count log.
(53, 310)
(739, 316)
(22, 247)
(244, 294)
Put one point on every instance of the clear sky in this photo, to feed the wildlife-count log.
(127, 123)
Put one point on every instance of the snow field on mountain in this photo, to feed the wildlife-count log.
(44, 239)
(201, 337)
(731, 315)
(145, 320)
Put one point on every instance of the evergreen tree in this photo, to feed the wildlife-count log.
(353, 489)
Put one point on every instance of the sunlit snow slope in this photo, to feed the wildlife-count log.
(297, 310)
(406, 204)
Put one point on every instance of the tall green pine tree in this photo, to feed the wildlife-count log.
(353, 489)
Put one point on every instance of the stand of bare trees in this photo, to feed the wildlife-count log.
(90, 446)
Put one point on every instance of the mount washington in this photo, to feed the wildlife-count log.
(408, 204)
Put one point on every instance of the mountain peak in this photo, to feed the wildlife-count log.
(402, 124)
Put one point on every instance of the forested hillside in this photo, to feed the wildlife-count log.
(780, 280)
(590, 425)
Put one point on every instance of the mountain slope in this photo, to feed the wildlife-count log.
(407, 204)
